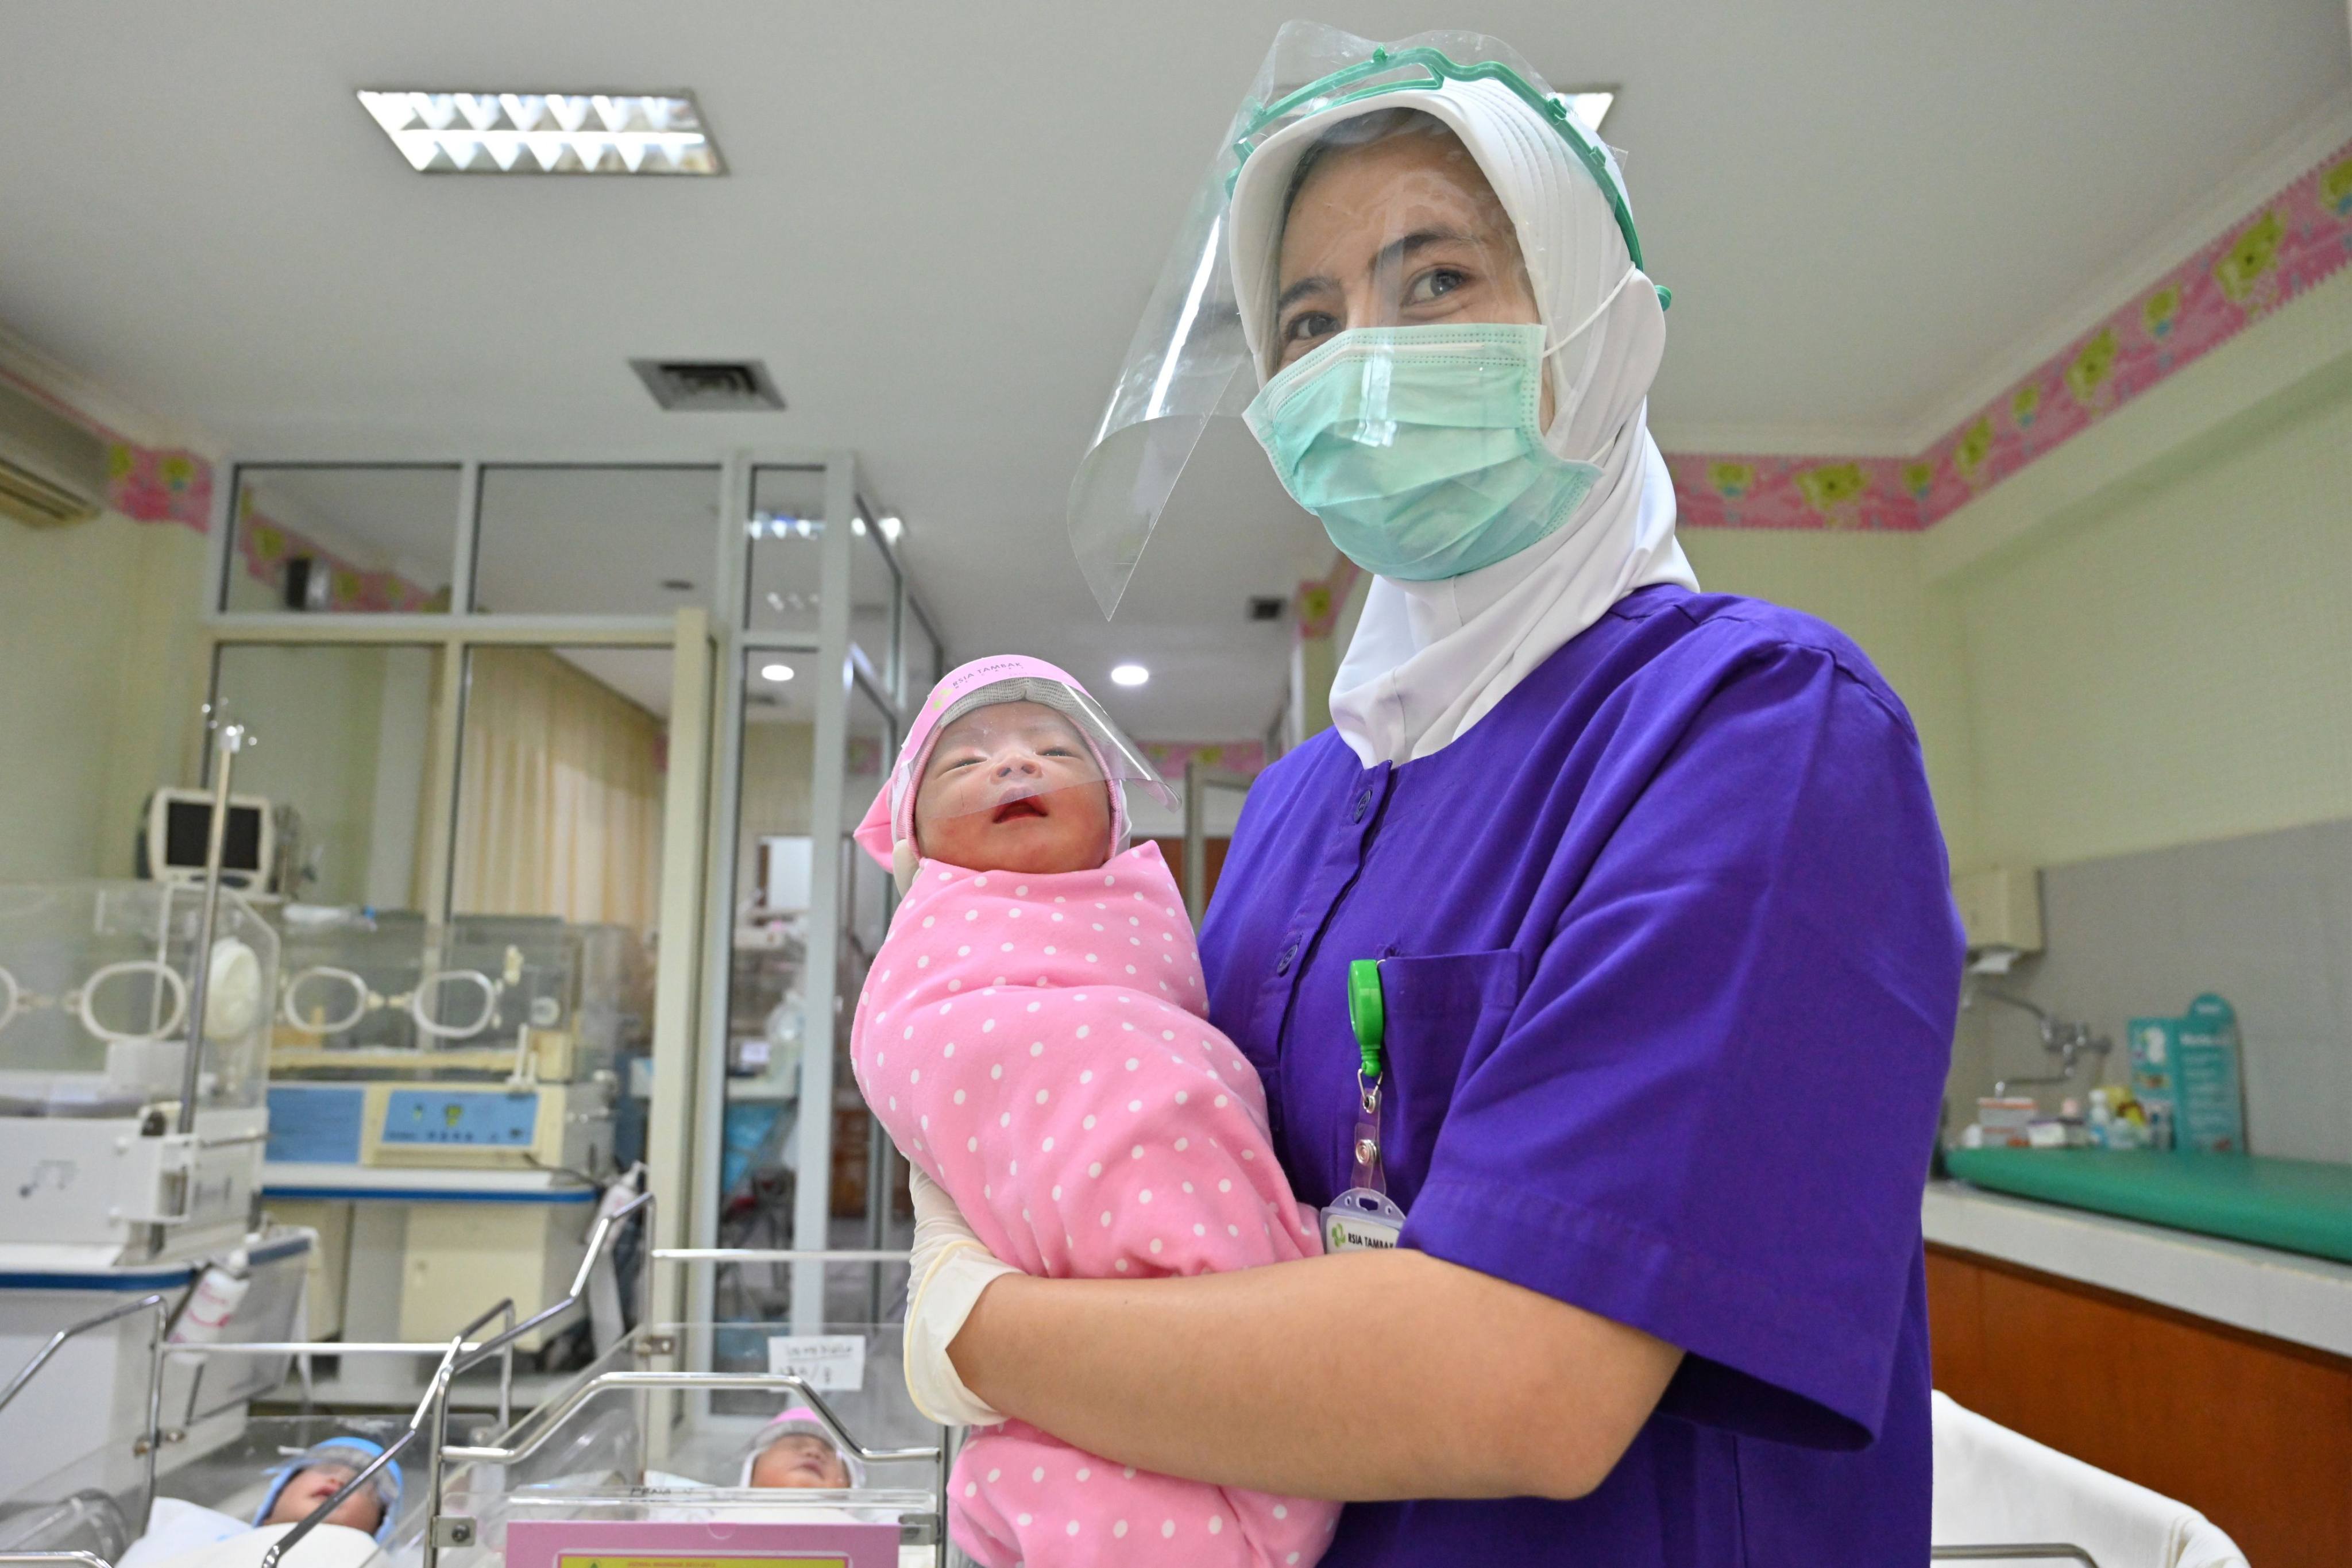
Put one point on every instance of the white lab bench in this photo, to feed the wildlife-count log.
(2304, 1300)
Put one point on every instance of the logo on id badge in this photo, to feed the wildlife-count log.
(1361, 1220)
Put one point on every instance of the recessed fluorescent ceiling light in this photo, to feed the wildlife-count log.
(547, 132)
(1130, 674)
(775, 672)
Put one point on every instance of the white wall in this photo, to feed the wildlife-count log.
(2132, 663)
(318, 723)
(1868, 586)
(101, 691)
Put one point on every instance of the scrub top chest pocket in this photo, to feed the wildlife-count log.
(1439, 1014)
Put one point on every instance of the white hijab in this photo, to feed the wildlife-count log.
(1430, 659)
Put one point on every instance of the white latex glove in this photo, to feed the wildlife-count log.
(950, 1268)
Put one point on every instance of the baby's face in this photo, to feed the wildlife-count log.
(1013, 787)
(799, 1462)
(362, 1510)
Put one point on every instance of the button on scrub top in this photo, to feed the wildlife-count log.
(1672, 972)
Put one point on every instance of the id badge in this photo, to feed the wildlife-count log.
(1361, 1220)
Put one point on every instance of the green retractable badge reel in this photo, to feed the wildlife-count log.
(1364, 1218)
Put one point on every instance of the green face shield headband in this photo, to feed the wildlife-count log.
(1429, 68)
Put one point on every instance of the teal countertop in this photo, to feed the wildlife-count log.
(2295, 1205)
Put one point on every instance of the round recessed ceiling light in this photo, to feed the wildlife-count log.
(775, 672)
(1130, 674)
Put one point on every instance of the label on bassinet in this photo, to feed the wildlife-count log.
(770, 1540)
(830, 1363)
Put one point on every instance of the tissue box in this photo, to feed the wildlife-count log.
(2186, 1071)
(2005, 1123)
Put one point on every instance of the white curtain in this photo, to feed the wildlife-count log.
(559, 795)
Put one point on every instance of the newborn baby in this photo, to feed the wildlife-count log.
(1034, 1035)
(796, 1453)
(181, 1535)
(321, 1471)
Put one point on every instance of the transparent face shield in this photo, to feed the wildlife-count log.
(796, 1453)
(310, 1477)
(1190, 360)
(1023, 775)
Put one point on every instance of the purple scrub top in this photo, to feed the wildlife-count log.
(1672, 971)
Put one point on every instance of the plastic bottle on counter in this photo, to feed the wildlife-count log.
(210, 1306)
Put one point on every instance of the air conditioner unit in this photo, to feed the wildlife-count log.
(52, 471)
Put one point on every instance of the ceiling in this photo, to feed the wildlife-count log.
(941, 222)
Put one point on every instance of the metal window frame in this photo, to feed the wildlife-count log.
(704, 802)
(833, 649)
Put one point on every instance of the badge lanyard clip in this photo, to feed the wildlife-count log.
(1364, 1217)
(1368, 1012)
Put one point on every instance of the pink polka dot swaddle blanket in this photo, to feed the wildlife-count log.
(1038, 1044)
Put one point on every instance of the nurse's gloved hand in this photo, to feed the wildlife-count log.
(949, 1268)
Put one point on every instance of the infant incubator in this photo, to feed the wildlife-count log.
(130, 1169)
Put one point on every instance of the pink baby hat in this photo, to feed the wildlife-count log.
(799, 1421)
(1005, 678)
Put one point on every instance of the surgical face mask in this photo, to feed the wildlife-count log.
(1420, 448)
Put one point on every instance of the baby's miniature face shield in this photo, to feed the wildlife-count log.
(338, 1461)
(1006, 753)
(1025, 785)
(795, 1451)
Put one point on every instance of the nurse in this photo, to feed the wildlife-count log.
(1666, 961)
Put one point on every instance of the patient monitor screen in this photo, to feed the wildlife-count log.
(187, 821)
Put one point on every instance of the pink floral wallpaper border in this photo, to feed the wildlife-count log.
(153, 484)
(1316, 606)
(265, 546)
(2294, 241)
(145, 483)
(158, 486)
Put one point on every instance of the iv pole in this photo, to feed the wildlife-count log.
(231, 739)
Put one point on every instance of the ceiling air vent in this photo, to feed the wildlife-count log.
(709, 386)
(52, 471)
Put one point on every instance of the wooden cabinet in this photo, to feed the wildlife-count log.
(2254, 1432)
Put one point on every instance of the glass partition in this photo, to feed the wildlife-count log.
(474, 826)
(769, 1023)
(560, 784)
(867, 1175)
(868, 894)
(874, 601)
(341, 537)
(341, 734)
(786, 532)
(922, 659)
(593, 540)
(767, 990)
